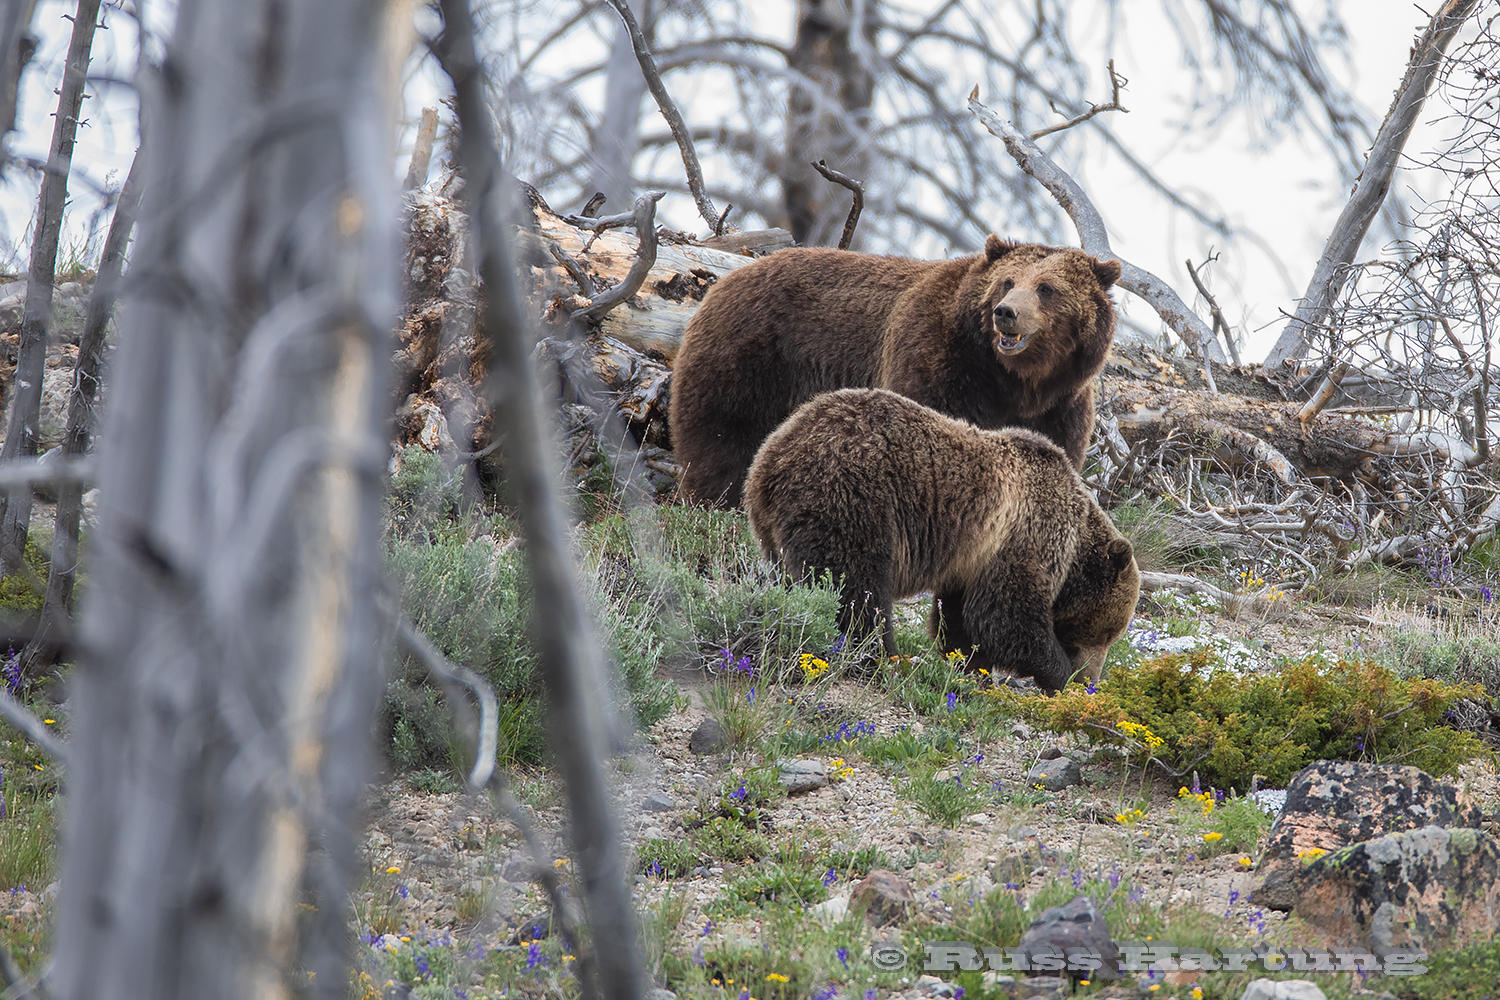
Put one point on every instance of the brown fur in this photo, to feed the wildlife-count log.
(775, 333)
(897, 499)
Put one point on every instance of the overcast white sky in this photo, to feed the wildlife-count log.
(1286, 191)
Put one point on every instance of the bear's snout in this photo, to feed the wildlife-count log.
(1016, 319)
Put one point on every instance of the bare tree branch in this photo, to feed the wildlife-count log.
(671, 114)
(644, 220)
(1095, 238)
(34, 729)
(570, 659)
(1221, 325)
(421, 154)
(858, 205)
(1373, 183)
(1116, 81)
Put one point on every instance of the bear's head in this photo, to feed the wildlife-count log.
(1098, 599)
(1041, 305)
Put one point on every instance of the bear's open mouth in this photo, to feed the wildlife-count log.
(1009, 344)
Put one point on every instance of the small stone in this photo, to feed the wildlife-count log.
(1044, 988)
(517, 870)
(978, 819)
(1076, 924)
(1284, 989)
(708, 738)
(1055, 775)
(831, 911)
(1050, 753)
(803, 775)
(1021, 731)
(885, 897)
(658, 802)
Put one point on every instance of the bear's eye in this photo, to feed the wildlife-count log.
(1044, 290)
(1006, 286)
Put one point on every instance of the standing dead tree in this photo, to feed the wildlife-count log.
(570, 657)
(26, 403)
(1373, 184)
(230, 648)
(55, 620)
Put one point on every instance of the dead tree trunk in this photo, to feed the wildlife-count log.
(57, 606)
(223, 708)
(832, 47)
(17, 44)
(1374, 181)
(569, 654)
(615, 141)
(26, 403)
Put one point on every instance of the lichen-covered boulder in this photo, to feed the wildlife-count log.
(1432, 888)
(1332, 804)
(1070, 930)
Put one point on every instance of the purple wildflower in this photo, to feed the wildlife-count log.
(739, 793)
(750, 697)
(870, 993)
(1484, 592)
(744, 666)
(838, 644)
(830, 877)
(1078, 879)
(401, 891)
(826, 993)
(534, 956)
(460, 994)
(843, 956)
(1092, 687)
(422, 968)
(1196, 790)
(708, 928)
(952, 700)
(958, 993)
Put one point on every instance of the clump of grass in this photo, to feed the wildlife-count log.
(29, 846)
(1188, 715)
(471, 593)
(947, 798)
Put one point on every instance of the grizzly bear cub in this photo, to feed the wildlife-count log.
(894, 499)
(1013, 336)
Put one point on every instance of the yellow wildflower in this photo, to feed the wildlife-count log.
(393, 870)
(812, 667)
(1211, 837)
(1197, 993)
(1311, 854)
(777, 977)
(1246, 862)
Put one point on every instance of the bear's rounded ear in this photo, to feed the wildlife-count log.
(1106, 271)
(995, 247)
(1120, 552)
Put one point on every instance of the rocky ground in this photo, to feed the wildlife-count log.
(467, 874)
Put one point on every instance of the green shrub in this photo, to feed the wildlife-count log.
(1189, 716)
(28, 848)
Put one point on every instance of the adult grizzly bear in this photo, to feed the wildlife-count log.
(1010, 337)
(896, 499)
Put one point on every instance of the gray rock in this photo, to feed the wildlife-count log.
(1332, 804)
(1284, 989)
(518, 870)
(1430, 890)
(1021, 731)
(1054, 775)
(661, 994)
(708, 738)
(658, 802)
(1044, 988)
(803, 775)
(1075, 924)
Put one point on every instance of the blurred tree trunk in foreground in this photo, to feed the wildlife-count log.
(231, 663)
